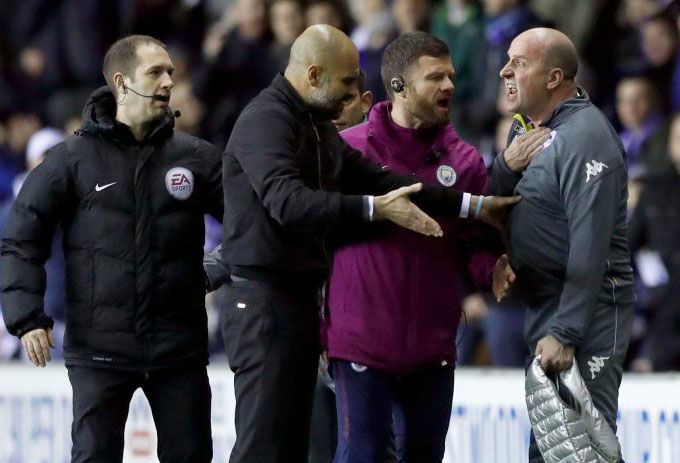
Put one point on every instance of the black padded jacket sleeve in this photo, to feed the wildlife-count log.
(43, 201)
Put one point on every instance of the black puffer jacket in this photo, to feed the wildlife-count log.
(132, 217)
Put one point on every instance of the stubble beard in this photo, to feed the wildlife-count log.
(323, 104)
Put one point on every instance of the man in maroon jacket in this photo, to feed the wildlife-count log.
(394, 296)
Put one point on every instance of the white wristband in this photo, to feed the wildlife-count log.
(371, 209)
(465, 206)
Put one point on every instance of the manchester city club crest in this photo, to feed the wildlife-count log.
(446, 175)
(179, 182)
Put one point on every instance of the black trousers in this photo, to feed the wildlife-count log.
(324, 433)
(180, 405)
(271, 335)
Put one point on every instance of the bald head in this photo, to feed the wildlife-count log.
(540, 71)
(320, 45)
(555, 49)
(324, 69)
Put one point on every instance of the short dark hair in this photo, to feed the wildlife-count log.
(404, 51)
(122, 57)
(362, 81)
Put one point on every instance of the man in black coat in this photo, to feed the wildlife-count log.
(130, 194)
(291, 177)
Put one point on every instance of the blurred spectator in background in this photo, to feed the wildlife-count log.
(14, 135)
(191, 109)
(235, 66)
(287, 21)
(573, 17)
(376, 27)
(653, 227)
(332, 12)
(460, 24)
(60, 45)
(411, 15)
(179, 23)
(659, 37)
(645, 132)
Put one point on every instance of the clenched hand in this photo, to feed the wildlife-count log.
(555, 356)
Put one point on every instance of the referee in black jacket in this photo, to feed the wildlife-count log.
(288, 178)
(130, 194)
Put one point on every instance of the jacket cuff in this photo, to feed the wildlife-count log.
(354, 208)
(43, 321)
(500, 161)
(565, 337)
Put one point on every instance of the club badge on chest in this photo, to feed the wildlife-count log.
(446, 175)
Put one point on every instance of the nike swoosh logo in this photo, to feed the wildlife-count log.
(103, 187)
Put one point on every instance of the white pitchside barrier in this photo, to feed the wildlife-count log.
(488, 420)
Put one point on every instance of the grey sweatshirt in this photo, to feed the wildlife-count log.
(568, 234)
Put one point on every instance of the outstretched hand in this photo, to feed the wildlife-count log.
(396, 206)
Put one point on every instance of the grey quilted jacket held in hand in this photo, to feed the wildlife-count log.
(567, 426)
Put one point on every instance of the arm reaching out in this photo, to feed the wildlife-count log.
(396, 207)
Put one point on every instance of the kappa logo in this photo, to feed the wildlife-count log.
(549, 141)
(593, 168)
(596, 365)
(446, 175)
(179, 182)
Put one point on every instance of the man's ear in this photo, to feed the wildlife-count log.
(119, 82)
(555, 78)
(314, 74)
(366, 101)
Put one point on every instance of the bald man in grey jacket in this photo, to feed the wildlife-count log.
(568, 235)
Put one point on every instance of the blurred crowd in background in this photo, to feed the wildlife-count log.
(226, 51)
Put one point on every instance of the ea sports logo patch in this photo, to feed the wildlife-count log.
(446, 175)
(179, 182)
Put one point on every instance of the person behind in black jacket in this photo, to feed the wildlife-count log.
(653, 225)
(129, 193)
(291, 177)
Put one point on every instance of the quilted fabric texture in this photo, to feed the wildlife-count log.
(567, 434)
